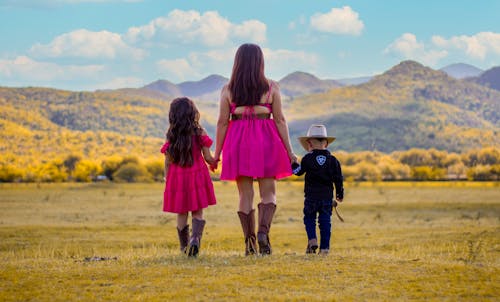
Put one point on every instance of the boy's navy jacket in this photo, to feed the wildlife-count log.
(322, 171)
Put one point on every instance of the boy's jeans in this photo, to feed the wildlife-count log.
(323, 210)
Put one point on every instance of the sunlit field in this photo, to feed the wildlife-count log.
(400, 241)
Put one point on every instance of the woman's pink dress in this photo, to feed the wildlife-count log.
(253, 147)
(189, 188)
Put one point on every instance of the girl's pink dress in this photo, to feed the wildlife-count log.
(253, 147)
(189, 188)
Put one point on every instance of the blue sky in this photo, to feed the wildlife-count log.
(97, 44)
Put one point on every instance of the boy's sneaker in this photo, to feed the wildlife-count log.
(312, 246)
(324, 252)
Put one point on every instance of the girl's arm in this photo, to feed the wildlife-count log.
(222, 122)
(205, 150)
(280, 121)
(207, 155)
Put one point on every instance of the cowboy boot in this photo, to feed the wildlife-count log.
(312, 246)
(248, 226)
(195, 240)
(266, 213)
(183, 237)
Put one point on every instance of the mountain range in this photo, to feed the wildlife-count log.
(462, 71)
(408, 106)
(295, 84)
(300, 83)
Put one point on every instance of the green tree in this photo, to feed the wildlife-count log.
(132, 172)
(110, 165)
(86, 171)
(368, 172)
(10, 173)
(156, 169)
(53, 171)
(481, 172)
(428, 173)
(70, 162)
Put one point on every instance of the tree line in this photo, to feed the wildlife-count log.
(412, 165)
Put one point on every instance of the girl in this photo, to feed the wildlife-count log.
(188, 186)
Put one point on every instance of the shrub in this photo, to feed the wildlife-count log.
(132, 172)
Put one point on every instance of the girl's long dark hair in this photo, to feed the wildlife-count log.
(184, 123)
(248, 82)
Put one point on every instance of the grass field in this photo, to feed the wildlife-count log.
(400, 241)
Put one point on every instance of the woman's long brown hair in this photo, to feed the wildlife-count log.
(184, 123)
(248, 82)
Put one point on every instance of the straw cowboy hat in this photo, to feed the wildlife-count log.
(315, 131)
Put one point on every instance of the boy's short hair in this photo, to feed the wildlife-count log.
(319, 139)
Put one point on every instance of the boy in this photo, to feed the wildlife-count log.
(322, 172)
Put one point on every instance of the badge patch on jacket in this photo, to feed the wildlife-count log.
(321, 159)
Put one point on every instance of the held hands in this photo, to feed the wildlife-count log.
(292, 157)
(213, 163)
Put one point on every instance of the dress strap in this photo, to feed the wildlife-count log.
(269, 92)
(232, 107)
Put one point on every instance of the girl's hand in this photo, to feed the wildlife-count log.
(293, 157)
(213, 165)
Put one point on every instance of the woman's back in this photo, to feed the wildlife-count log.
(264, 106)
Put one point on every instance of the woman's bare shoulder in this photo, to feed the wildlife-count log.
(275, 90)
(273, 82)
(225, 91)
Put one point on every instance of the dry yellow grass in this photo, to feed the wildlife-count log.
(400, 241)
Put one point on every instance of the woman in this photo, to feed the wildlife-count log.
(252, 134)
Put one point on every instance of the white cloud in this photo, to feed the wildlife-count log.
(192, 27)
(180, 69)
(408, 47)
(342, 21)
(252, 30)
(120, 82)
(280, 62)
(83, 43)
(30, 70)
(477, 46)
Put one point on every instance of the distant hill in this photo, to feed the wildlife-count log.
(205, 86)
(408, 106)
(207, 89)
(302, 83)
(165, 87)
(354, 81)
(490, 78)
(462, 70)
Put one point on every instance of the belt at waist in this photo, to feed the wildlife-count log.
(259, 116)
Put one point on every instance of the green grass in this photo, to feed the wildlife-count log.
(400, 241)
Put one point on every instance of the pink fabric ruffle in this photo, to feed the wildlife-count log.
(253, 148)
(189, 188)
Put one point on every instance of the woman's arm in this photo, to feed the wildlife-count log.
(222, 122)
(280, 121)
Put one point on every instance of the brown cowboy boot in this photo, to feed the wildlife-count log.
(248, 226)
(266, 213)
(183, 237)
(194, 242)
(312, 246)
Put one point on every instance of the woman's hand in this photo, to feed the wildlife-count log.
(292, 157)
(214, 164)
